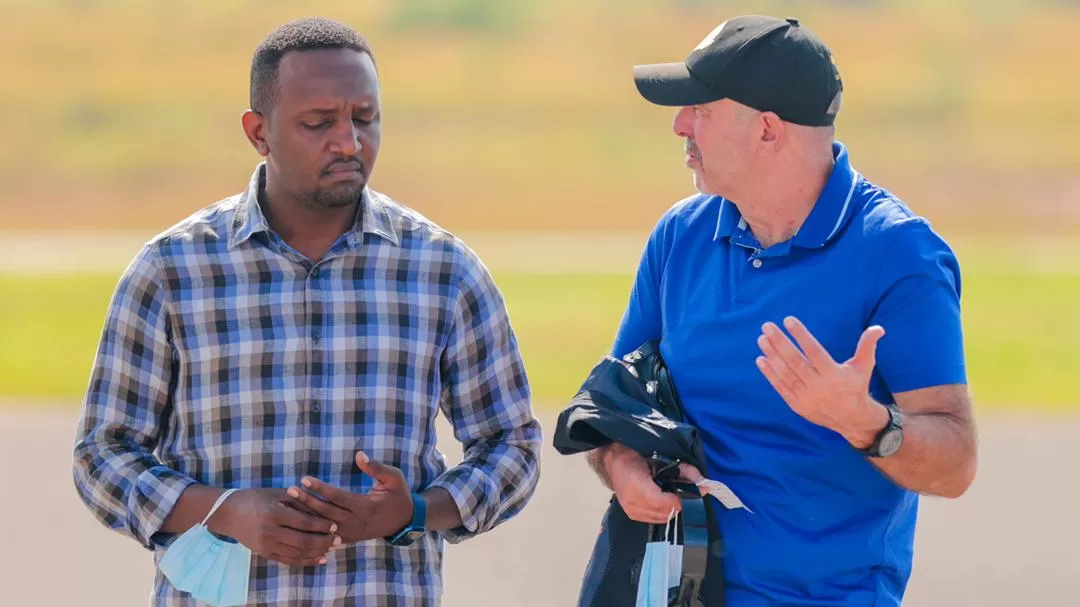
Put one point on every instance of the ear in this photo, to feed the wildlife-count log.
(254, 125)
(772, 128)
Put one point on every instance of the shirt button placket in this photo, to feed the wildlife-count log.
(314, 319)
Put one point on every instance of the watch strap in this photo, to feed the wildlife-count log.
(895, 423)
(417, 524)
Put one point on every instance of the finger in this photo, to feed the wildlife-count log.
(299, 506)
(335, 495)
(670, 503)
(866, 351)
(783, 348)
(661, 514)
(691, 474)
(644, 514)
(324, 523)
(294, 561)
(294, 553)
(384, 474)
(818, 356)
(766, 368)
(643, 501)
(660, 503)
(792, 383)
(650, 517)
(311, 504)
(304, 545)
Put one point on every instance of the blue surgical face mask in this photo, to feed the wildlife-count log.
(210, 569)
(656, 570)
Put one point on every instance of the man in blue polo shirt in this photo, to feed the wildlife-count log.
(812, 325)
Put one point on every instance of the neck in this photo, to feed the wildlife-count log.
(781, 201)
(309, 230)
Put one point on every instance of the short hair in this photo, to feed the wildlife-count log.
(300, 35)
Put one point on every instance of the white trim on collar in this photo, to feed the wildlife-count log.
(847, 203)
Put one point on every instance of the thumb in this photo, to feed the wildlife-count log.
(385, 475)
(691, 473)
(866, 352)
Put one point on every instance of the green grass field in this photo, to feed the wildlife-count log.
(1020, 321)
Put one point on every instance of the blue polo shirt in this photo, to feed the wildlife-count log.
(827, 527)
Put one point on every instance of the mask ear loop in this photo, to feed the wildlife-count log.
(217, 504)
(675, 526)
(669, 535)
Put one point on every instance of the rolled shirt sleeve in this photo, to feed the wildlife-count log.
(125, 411)
(486, 397)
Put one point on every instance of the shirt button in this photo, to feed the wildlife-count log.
(756, 263)
(315, 273)
(315, 406)
(315, 336)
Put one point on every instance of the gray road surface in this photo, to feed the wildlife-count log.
(1012, 540)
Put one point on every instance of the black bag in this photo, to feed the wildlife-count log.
(634, 402)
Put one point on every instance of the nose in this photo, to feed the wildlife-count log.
(347, 139)
(682, 125)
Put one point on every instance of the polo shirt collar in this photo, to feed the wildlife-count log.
(834, 205)
(831, 211)
(730, 220)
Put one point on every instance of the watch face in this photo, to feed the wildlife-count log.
(890, 443)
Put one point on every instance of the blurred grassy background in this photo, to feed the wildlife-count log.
(509, 116)
(1020, 326)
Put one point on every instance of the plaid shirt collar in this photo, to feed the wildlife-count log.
(373, 216)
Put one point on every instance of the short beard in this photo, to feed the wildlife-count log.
(335, 198)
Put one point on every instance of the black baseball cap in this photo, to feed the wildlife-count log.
(769, 64)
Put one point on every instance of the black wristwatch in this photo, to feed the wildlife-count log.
(416, 527)
(888, 441)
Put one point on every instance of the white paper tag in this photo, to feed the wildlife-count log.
(723, 493)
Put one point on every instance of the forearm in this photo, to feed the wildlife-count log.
(194, 503)
(494, 482)
(442, 511)
(598, 460)
(938, 455)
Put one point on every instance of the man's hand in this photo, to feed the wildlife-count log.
(631, 480)
(274, 525)
(381, 512)
(827, 393)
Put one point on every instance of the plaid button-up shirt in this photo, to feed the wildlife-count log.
(230, 360)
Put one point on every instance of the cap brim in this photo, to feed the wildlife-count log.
(671, 84)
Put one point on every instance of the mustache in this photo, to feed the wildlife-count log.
(692, 149)
(351, 163)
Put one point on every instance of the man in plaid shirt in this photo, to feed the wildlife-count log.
(298, 340)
